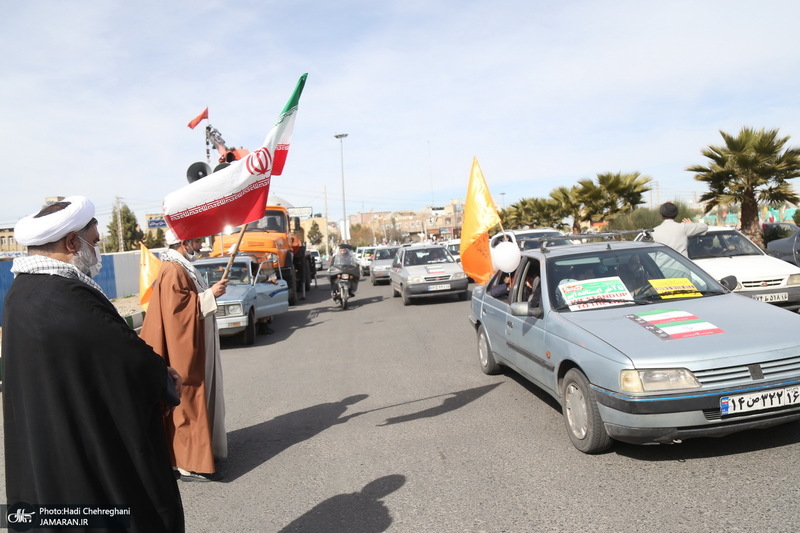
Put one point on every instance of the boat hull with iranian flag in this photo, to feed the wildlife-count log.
(236, 194)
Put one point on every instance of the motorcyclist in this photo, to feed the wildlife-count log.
(344, 257)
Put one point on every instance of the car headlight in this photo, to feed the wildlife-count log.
(230, 309)
(794, 279)
(660, 379)
(415, 279)
(459, 275)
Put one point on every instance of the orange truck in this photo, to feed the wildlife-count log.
(272, 238)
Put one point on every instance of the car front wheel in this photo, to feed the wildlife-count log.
(581, 416)
(249, 333)
(406, 297)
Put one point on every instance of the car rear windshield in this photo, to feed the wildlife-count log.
(721, 244)
(384, 253)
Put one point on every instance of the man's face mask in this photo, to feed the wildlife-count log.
(191, 255)
(88, 259)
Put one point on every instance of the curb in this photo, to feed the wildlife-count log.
(135, 321)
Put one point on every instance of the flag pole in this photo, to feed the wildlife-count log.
(233, 252)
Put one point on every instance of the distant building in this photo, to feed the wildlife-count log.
(9, 245)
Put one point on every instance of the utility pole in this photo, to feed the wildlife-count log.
(325, 199)
(119, 223)
(345, 229)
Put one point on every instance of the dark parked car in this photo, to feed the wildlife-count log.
(787, 248)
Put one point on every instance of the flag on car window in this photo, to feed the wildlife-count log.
(480, 216)
(148, 272)
(236, 194)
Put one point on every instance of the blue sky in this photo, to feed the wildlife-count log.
(96, 95)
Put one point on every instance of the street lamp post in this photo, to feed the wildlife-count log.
(345, 233)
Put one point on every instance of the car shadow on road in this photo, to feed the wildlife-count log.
(702, 448)
(696, 448)
(361, 511)
(252, 446)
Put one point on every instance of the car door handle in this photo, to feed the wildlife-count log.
(510, 324)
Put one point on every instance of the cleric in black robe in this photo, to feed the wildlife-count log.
(83, 396)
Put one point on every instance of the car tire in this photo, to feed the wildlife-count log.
(406, 297)
(373, 280)
(581, 416)
(292, 283)
(249, 333)
(485, 356)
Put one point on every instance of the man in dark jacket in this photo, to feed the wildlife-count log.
(84, 397)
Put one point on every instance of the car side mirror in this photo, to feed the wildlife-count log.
(729, 282)
(524, 309)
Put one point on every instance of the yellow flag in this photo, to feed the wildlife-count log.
(148, 272)
(480, 215)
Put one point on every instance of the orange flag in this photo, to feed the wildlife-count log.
(148, 272)
(480, 215)
(196, 120)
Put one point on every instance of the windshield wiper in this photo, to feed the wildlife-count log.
(601, 300)
(686, 291)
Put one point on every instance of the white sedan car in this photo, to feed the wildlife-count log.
(725, 251)
(423, 271)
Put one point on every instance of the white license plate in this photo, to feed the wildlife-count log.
(442, 287)
(774, 297)
(757, 401)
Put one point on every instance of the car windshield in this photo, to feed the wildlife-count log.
(384, 253)
(721, 244)
(427, 256)
(454, 249)
(271, 221)
(212, 273)
(625, 277)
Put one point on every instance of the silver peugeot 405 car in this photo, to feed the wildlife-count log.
(639, 344)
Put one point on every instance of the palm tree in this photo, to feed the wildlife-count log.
(570, 203)
(613, 194)
(751, 169)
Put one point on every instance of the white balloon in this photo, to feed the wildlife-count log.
(506, 256)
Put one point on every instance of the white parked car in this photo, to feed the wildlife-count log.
(365, 259)
(454, 247)
(529, 239)
(724, 251)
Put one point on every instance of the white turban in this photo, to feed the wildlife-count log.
(32, 231)
(171, 238)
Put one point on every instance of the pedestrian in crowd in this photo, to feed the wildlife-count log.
(676, 234)
(83, 396)
(181, 326)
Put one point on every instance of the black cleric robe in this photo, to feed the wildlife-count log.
(82, 406)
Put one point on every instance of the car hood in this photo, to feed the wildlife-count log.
(747, 267)
(234, 293)
(434, 269)
(726, 326)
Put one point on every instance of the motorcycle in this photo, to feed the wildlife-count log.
(344, 274)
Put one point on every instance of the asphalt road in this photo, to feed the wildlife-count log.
(378, 418)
